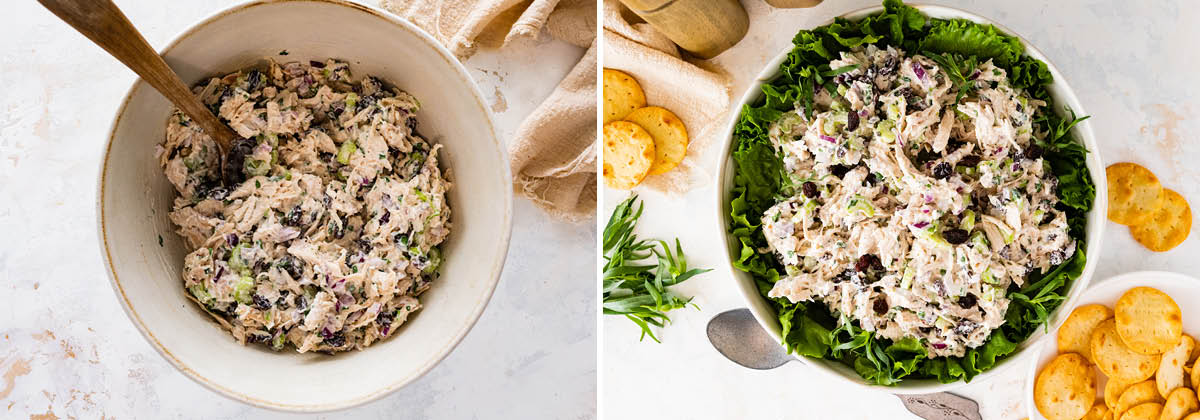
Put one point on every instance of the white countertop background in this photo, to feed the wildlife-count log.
(68, 351)
(1133, 66)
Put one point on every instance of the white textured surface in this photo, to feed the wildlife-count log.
(1129, 63)
(68, 351)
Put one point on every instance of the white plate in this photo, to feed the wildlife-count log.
(1180, 287)
(1063, 95)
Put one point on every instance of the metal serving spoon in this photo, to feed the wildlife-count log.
(737, 335)
(103, 23)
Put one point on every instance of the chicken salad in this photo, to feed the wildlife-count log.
(335, 228)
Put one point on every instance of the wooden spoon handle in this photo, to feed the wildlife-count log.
(103, 23)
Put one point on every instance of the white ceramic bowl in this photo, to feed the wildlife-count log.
(1180, 287)
(766, 316)
(134, 198)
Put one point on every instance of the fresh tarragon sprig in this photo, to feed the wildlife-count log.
(637, 272)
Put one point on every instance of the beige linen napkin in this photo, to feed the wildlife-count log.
(553, 155)
(698, 96)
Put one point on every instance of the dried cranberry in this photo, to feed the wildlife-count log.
(880, 306)
(385, 318)
(236, 160)
(1033, 152)
(968, 301)
(810, 189)
(261, 302)
(866, 262)
(942, 170)
(955, 236)
(839, 170)
(851, 121)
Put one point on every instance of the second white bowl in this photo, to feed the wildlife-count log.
(1063, 96)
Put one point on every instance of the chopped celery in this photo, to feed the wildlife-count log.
(862, 205)
(351, 100)
(254, 167)
(277, 341)
(968, 220)
(435, 260)
(979, 240)
(243, 290)
(348, 148)
(236, 262)
(906, 280)
(989, 293)
(792, 270)
(893, 111)
(201, 294)
(884, 128)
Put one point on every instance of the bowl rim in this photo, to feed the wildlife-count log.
(501, 250)
(766, 316)
(1124, 281)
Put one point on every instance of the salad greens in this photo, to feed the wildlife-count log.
(808, 328)
(634, 288)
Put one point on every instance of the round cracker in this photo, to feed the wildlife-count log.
(1195, 351)
(1147, 411)
(1181, 402)
(1133, 193)
(1148, 321)
(622, 95)
(1112, 392)
(669, 134)
(1118, 361)
(1137, 394)
(1098, 411)
(1168, 226)
(1075, 335)
(628, 153)
(1193, 416)
(1066, 388)
(1170, 375)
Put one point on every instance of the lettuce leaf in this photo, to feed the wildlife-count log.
(809, 329)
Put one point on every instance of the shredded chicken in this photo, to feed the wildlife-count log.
(334, 233)
(915, 210)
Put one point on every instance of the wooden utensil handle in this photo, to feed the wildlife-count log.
(103, 23)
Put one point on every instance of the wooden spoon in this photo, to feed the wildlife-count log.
(103, 23)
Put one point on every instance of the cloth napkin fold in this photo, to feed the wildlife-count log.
(553, 154)
(698, 96)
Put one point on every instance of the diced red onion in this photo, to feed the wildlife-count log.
(828, 139)
(919, 71)
(920, 225)
(939, 346)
